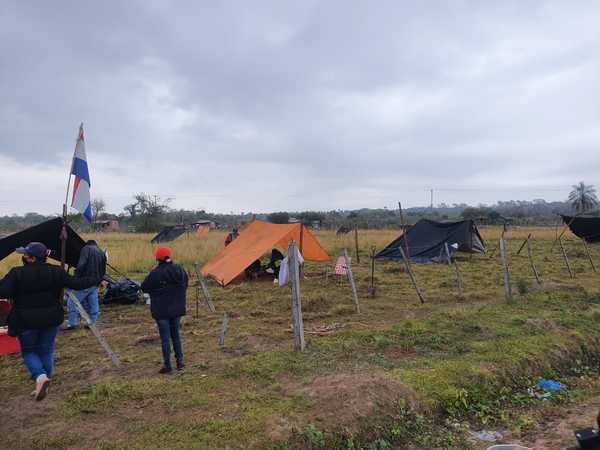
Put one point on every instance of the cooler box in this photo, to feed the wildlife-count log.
(8, 344)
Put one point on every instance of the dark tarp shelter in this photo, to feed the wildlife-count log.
(47, 233)
(169, 234)
(587, 228)
(426, 241)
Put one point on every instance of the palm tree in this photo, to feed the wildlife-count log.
(583, 197)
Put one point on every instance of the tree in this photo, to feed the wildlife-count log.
(583, 197)
(98, 207)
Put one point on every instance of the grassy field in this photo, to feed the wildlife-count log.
(398, 375)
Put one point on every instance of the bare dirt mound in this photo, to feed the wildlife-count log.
(340, 400)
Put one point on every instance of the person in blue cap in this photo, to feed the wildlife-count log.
(35, 290)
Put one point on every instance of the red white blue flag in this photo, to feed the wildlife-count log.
(81, 186)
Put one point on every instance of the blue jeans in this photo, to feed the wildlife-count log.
(169, 331)
(37, 349)
(89, 300)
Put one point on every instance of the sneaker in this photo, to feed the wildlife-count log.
(180, 366)
(164, 370)
(69, 328)
(41, 387)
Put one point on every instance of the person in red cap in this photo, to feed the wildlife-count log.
(167, 286)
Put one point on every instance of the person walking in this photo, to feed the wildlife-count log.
(167, 285)
(35, 290)
(92, 263)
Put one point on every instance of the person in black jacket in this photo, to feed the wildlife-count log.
(35, 289)
(167, 285)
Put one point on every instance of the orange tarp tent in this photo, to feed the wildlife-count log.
(257, 239)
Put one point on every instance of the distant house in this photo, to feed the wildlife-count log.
(106, 226)
(195, 225)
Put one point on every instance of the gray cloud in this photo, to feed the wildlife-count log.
(294, 105)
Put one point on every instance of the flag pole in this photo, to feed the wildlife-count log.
(63, 231)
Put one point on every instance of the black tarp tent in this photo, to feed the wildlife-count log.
(587, 228)
(426, 241)
(47, 233)
(169, 234)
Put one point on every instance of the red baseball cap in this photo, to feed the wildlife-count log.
(162, 253)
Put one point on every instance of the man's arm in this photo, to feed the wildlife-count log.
(8, 288)
(77, 283)
(151, 282)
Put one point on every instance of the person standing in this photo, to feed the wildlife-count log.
(35, 290)
(92, 263)
(167, 286)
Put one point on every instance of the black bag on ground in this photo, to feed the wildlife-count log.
(121, 292)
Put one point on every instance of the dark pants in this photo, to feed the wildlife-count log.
(37, 349)
(169, 332)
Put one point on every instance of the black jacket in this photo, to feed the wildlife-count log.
(92, 263)
(167, 285)
(36, 293)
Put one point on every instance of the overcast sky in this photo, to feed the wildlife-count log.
(271, 105)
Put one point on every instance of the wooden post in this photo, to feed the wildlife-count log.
(411, 275)
(372, 287)
(507, 288)
(533, 268)
(294, 272)
(564, 253)
(589, 254)
(205, 291)
(356, 244)
(113, 356)
(459, 282)
(351, 280)
(403, 225)
(224, 328)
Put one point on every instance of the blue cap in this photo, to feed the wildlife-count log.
(36, 249)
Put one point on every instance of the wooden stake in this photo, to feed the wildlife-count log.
(224, 328)
(294, 271)
(356, 244)
(523, 244)
(205, 291)
(564, 253)
(411, 275)
(589, 254)
(459, 282)
(372, 287)
(351, 281)
(404, 230)
(533, 268)
(507, 288)
(113, 356)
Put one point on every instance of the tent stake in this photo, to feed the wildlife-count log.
(533, 268)
(205, 290)
(507, 288)
(523, 244)
(113, 356)
(411, 275)
(298, 324)
(589, 254)
(459, 282)
(564, 253)
(351, 281)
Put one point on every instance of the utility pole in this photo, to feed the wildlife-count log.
(431, 192)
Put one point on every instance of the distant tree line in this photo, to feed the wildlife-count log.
(148, 213)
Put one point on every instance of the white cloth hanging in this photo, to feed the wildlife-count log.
(285, 269)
